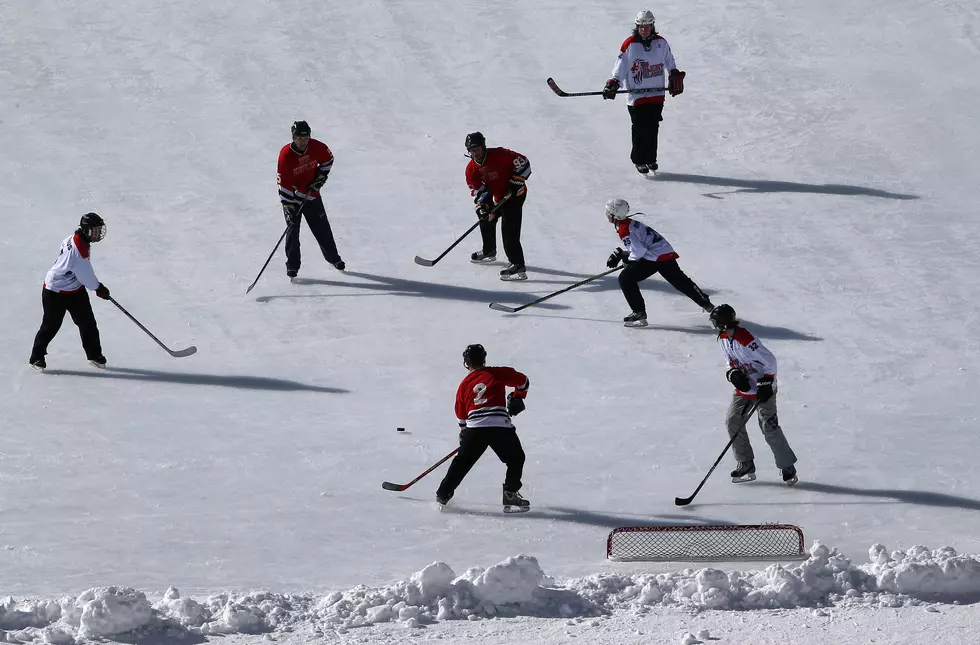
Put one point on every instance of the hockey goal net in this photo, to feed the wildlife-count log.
(705, 543)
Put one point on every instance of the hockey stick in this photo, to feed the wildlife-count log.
(180, 353)
(560, 92)
(281, 238)
(429, 263)
(684, 501)
(512, 310)
(401, 487)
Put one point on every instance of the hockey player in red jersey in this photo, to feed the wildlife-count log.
(493, 174)
(304, 166)
(644, 59)
(64, 291)
(752, 370)
(647, 252)
(484, 414)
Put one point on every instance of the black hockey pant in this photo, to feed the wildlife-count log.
(646, 120)
(55, 305)
(473, 442)
(630, 277)
(510, 215)
(316, 217)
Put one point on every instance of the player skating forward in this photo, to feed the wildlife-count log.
(493, 174)
(484, 413)
(752, 370)
(644, 60)
(64, 291)
(304, 166)
(647, 252)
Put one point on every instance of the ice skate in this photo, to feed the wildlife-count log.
(291, 275)
(514, 503)
(744, 473)
(98, 362)
(340, 265)
(642, 169)
(39, 365)
(483, 258)
(789, 476)
(635, 319)
(441, 501)
(513, 272)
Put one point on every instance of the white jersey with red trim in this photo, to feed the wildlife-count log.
(747, 353)
(72, 270)
(643, 242)
(641, 67)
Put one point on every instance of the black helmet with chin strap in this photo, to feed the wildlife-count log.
(722, 317)
(475, 356)
(92, 227)
(475, 139)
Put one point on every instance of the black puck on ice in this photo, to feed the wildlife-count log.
(400, 429)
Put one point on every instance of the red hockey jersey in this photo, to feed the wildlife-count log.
(296, 171)
(481, 399)
(501, 170)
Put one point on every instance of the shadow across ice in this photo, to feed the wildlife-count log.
(218, 380)
(919, 497)
(758, 186)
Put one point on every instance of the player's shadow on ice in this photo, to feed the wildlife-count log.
(386, 285)
(218, 380)
(920, 497)
(759, 186)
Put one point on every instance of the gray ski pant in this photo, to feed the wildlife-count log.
(768, 423)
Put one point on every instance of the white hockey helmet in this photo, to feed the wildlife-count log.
(645, 17)
(617, 210)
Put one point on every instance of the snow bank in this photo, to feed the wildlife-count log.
(515, 587)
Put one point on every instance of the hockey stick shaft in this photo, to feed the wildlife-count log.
(511, 310)
(560, 92)
(428, 263)
(281, 238)
(178, 353)
(684, 501)
(401, 487)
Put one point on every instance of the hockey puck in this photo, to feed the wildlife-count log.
(400, 429)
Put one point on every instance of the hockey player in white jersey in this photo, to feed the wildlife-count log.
(752, 370)
(64, 291)
(647, 252)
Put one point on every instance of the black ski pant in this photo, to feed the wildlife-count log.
(630, 277)
(646, 120)
(55, 305)
(316, 217)
(473, 442)
(510, 216)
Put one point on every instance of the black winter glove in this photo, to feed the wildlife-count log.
(616, 257)
(483, 211)
(739, 379)
(318, 182)
(291, 212)
(764, 388)
(609, 91)
(102, 291)
(515, 405)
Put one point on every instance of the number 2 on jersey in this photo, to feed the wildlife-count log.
(478, 391)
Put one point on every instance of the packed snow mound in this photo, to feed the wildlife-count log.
(515, 587)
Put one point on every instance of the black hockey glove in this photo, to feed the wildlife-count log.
(609, 91)
(764, 388)
(483, 211)
(616, 257)
(102, 291)
(739, 379)
(318, 182)
(291, 212)
(515, 405)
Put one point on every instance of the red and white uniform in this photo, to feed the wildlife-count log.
(72, 271)
(296, 171)
(501, 170)
(481, 399)
(643, 242)
(639, 67)
(745, 352)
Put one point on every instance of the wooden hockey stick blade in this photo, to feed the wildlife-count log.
(499, 307)
(181, 353)
(554, 87)
(424, 262)
(390, 486)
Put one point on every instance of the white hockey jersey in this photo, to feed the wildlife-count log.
(643, 242)
(640, 67)
(72, 271)
(745, 352)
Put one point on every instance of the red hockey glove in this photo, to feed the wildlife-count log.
(609, 91)
(102, 291)
(675, 84)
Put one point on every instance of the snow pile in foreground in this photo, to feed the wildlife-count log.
(515, 587)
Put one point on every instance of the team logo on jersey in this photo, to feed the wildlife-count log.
(643, 70)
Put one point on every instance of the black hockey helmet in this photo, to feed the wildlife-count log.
(722, 317)
(92, 227)
(474, 356)
(475, 140)
(301, 129)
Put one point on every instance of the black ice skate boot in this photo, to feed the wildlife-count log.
(635, 319)
(480, 257)
(642, 168)
(513, 272)
(514, 503)
(744, 473)
(789, 475)
(98, 361)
